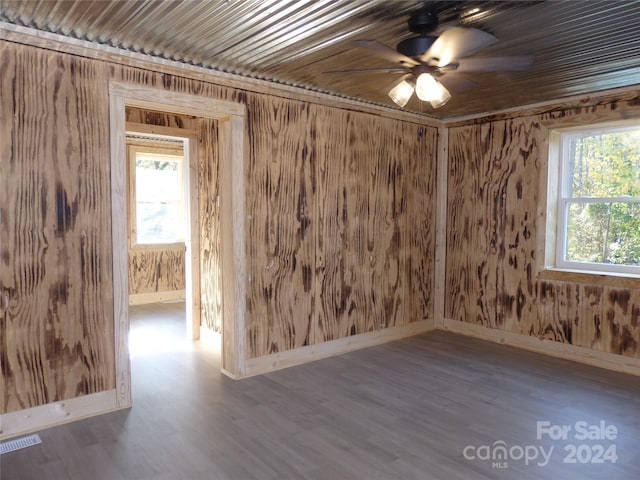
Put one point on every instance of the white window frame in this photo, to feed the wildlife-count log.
(133, 150)
(559, 199)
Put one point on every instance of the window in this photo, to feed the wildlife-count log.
(598, 199)
(157, 199)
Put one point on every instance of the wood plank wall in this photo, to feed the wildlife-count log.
(334, 249)
(329, 254)
(153, 270)
(375, 183)
(494, 257)
(210, 261)
(161, 119)
(280, 243)
(57, 313)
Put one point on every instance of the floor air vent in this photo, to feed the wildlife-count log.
(19, 443)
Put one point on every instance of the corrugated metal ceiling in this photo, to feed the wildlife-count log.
(579, 46)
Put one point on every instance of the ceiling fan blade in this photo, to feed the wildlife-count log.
(458, 42)
(456, 83)
(371, 70)
(493, 64)
(385, 52)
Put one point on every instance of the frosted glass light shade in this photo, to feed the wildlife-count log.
(428, 89)
(401, 93)
(442, 98)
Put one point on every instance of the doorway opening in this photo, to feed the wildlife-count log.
(158, 238)
(230, 118)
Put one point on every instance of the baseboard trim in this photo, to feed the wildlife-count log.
(229, 374)
(155, 297)
(609, 361)
(299, 356)
(30, 420)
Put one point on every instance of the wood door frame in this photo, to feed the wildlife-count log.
(231, 117)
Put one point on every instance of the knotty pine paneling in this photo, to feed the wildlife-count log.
(493, 262)
(57, 321)
(210, 261)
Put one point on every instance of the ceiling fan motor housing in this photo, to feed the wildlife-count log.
(422, 23)
(415, 46)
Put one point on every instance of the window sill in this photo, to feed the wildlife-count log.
(591, 277)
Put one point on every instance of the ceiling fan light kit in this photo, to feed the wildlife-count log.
(401, 93)
(428, 89)
(429, 64)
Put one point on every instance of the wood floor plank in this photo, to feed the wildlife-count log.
(404, 410)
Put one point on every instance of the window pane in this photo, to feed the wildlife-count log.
(605, 165)
(157, 222)
(603, 233)
(157, 181)
(158, 199)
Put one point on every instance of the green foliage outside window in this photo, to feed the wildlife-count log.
(605, 167)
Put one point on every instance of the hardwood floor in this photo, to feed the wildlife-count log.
(405, 410)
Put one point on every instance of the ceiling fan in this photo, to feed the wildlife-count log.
(430, 64)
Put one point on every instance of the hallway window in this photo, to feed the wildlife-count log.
(157, 199)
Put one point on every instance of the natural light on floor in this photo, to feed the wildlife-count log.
(150, 340)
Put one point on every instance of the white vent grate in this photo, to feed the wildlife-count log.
(19, 443)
